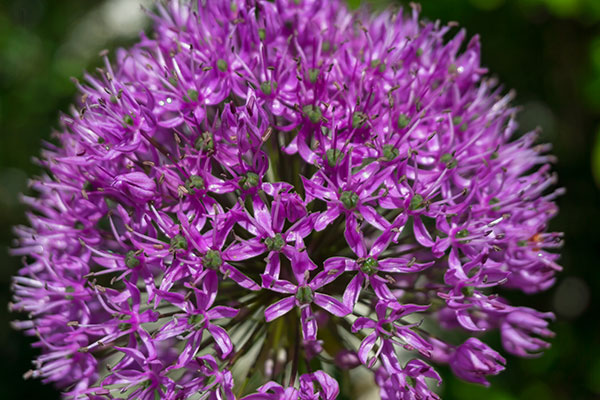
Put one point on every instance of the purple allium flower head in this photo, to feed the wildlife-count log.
(260, 193)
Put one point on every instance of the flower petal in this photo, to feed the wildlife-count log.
(279, 308)
(353, 291)
(241, 279)
(332, 305)
(365, 348)
(221, 339)
(309, 324)
(354, 237)
(421, 233)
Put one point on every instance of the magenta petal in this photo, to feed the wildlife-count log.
(136, 184)
(241, 279)
(149, 344)
(223, 227)
(418, 367)
(465, 320)
(221, 312)
(137, 355)
(279, 308)
(171, 329)
(273, 265)
(353, 237)
(381, 243)
(373, 218)
(301, 263)
(339, 263)
(221, 339)
(177, 299)
(306, 153)
(325, 385)
(323, 278)
(258, 396)
(273, 188)
(388, 356)
(353, 290)
(190, 349)
(332, 305)
(245, 250)
(365, 348)
(317, 191)
(363, 323)
(303, 227)
(309, 324)
(400, 265)
(172, 122)
(421, 234)
(380, 287)
(263, 216)
(415, 341)
(282, 286)
(440, 246)
(210, 285)
(326, 218)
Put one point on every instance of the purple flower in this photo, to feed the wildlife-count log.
(518, 328)
(388, 331)
(408, 383)
(474, 360)
(314, 386)
(303, 295)
(261, 192)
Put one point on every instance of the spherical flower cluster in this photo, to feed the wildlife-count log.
(262, 195)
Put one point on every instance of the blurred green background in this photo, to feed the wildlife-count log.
(548, 50)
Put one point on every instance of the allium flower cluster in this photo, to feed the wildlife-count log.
(262, 195)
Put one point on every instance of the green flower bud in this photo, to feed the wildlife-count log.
(192, 95)
(195, 319)
(333, 156)
(369, 266)
(205, 142)
(195, 182)
(222, 65)
(313, 74)
(313, 113)
(462, 233)
(349, 199)
(69, 289)
(304, 295)
(250, 180)
(268, 87)
(449, 160)
(128, 120)
(390, 152)
(403, 121)
(131, 260)
(494, 200)
(416, 202)
(178, 242)
(275, 243)
(212, 259)
(358, 120)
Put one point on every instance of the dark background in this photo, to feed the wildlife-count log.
(548, 50)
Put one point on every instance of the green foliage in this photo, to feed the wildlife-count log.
(596, 158)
